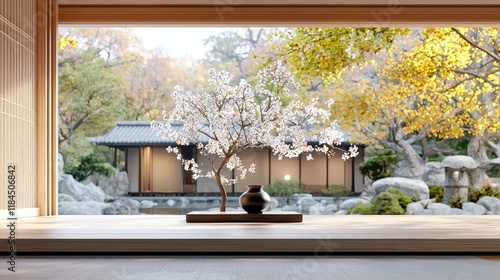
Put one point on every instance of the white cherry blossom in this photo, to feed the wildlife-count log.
(232, 118)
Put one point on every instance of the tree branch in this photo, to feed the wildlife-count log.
(470, 42)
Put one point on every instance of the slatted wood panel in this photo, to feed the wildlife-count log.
(17, 99)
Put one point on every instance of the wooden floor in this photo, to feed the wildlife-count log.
(316, 235)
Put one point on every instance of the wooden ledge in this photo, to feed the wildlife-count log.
(315, 235)
(243, 217)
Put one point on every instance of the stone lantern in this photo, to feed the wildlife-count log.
(456, 182)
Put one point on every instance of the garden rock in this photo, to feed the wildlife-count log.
(81, 192)
(434, 174)
(121, 206)
(491, 204)
(331, 208)
(170, 202)
(184, 201)
(341, 212)
(411, 187)
(81, 207)
(306, 203)
(414, 207)
(456, 211)
(459, 162)
(473, 209)
(290, 208)
(60, 164)
(439, 208)
(317, 209)
(65, 197)
(137, 203)
(117, 184)
(274, 203)
(349, 203)
(146, 204)
(424, 212)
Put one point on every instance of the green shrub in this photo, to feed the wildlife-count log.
(436, 192)
(488, 190)
(387, 203)
(74, 152)
(361, 208)
(403, 199)
(336, 191)
(390, 202)
(456, 202)
(283, 188)
(89, 164)
(379, 166)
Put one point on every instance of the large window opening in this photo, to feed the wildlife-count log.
(408, 97)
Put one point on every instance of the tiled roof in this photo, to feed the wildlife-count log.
(139, 134)
(133, 133)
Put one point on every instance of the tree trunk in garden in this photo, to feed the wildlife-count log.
(412, 165)
(476, 149)
(222, 190)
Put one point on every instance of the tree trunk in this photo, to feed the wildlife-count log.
(222, 191)
(476, 149)
(412, 166)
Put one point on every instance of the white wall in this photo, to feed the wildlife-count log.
(336, 169)
(279, 168)
(314, 171)
(261, 176)
(166, 171)
(209, 184)
(133, 168)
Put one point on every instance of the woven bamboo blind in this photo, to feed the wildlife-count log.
(17, 99)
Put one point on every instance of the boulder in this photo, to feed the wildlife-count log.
(294, 198)
(456, 211)
(427, 202)
(411, 187)
(290, 208)
(81, 192)
(349, 203)
(117, 184)
(434, 174)
(60, 164)
(424, 212)
(81, 207)
(300, 195)
(474, 209)
(170, 202)
(331, 208)
(65, 197)
(459, 163)
(121, 206)
(146, 204)
(439, 208)
(274, 203)
(317, 209)
(306, 203)
(414, 207)
(341, 212)
(137, 203)
(491, 204)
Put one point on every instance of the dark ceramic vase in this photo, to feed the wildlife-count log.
(255, 200)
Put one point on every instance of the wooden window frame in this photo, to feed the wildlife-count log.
(385, 13)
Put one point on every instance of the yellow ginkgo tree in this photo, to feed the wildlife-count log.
(438, 82)
(447, 86)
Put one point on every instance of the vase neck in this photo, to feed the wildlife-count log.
(254, 188)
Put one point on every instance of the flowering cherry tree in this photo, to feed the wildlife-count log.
(230, 119)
